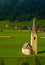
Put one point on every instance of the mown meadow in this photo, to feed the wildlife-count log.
(11, 47)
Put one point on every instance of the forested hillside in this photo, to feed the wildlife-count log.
(22, 10)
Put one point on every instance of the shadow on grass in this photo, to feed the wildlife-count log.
(37, 61)
(25, 63)
(41, 52)
(2, 61)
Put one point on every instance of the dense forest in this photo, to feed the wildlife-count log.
(22, 10)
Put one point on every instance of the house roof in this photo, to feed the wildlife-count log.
(26, 45)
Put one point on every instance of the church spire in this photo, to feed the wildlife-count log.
(34, 37)
(33, 27)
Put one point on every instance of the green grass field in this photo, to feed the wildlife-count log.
(10, 47)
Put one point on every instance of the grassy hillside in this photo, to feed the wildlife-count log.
(16, 41)
(11, 47)
(40, 23)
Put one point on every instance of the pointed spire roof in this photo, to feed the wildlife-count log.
(33, 27)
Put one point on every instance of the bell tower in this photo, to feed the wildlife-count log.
(34, 38)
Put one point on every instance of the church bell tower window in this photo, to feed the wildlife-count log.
(34, 38)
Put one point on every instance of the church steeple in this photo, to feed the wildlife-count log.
(33, 27)
(34, 38)
(31, 48)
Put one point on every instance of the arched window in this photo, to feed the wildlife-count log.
(34, 38)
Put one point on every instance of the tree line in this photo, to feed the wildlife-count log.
(22, 10)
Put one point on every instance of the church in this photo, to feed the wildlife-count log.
(28, 48)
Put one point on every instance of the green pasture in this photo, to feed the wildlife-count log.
(10, 48)
(40, 23)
